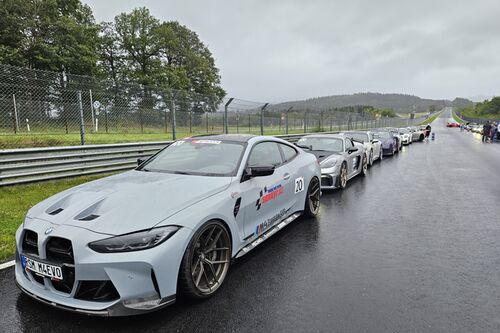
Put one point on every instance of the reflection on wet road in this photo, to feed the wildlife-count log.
(415, 247)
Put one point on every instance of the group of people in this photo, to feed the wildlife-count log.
(491, 131)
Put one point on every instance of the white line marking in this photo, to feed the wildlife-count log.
(7, 264)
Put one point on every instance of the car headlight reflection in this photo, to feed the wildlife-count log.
(136, 241)
(328, 164)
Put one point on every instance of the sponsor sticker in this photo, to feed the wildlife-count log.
(299, 185)
(208, 142)
(268, 194)
(177, 143)
(271, 221)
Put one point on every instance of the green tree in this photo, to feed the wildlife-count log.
(49, 35)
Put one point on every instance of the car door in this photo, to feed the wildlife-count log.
(263, 198)
(351, 157)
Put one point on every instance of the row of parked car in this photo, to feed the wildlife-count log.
(135, 241)
(346, 155)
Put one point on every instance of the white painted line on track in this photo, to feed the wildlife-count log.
(7, 264)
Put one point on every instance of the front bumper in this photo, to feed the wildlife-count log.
(329, 178)
(143, 281)
(387, 151)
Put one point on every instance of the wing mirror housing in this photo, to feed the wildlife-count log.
(141, 160)
(352, 150)
(258, 171)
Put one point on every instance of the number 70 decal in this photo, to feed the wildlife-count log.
(299, 184)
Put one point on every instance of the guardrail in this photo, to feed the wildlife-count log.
(18, 166)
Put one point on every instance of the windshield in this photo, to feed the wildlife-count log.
(326, 144)
(383, 135)
(363, 137)
(403, 131)
(198, 157)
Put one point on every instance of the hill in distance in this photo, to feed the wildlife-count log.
(400, 103)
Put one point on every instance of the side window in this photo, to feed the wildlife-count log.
(288, 152)
(265, 153)
(348, 144)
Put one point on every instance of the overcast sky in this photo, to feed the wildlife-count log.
(277, 50)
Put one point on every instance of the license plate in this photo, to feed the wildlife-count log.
(42, 269)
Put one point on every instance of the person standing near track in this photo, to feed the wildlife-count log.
(486, 131)
(427, 131)
(493, 132)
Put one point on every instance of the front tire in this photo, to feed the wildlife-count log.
(206, 261)
(342, 181)
(371, 158)
(312, 205)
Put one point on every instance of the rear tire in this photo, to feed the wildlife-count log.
(371, 158)
(312, 204)
(364, 167)
(206, 261)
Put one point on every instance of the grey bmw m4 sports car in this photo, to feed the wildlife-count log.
(130, 243)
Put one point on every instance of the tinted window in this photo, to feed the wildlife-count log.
(198, 157)
(322, 143)
(358, 136)
(288, 151)
(348, 144)
(265, 153)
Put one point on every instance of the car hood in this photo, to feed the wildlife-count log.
(323, 155)
(127, 202)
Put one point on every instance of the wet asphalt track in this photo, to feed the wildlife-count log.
(414, 247)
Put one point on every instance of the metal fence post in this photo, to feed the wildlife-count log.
(82, 125)
(305, 122)
(226, 106)
(286, 118)
(92, 107)
(262, 118)
(16, 119)
(174, 122)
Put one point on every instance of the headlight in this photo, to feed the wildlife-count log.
(136, 241)
(328, 164)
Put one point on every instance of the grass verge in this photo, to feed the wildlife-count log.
(23, 140)
(430, 119)
(457, 118)
(15, 202)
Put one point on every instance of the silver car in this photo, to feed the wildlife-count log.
(340, 158)
(126, 244)
(372, 146)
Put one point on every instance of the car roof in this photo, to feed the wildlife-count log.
(338, 136)
(228, 137)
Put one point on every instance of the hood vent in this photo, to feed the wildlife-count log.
(90, 213)
(57, 211)
(88, 217)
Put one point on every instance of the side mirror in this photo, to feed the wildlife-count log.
(375, 141)
(303, 146)
(141, 160)
(352, 150)
(259, 171)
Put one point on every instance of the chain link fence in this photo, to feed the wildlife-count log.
(41, 108)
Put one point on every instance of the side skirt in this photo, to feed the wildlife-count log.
(265, 236)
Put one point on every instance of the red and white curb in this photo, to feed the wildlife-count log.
(7, 264)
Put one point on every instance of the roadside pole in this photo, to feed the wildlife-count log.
(82, 125)
(226, 106)
(262, 118)
(15, 114)
(172, 112)
(92, 107)
(286, 118)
